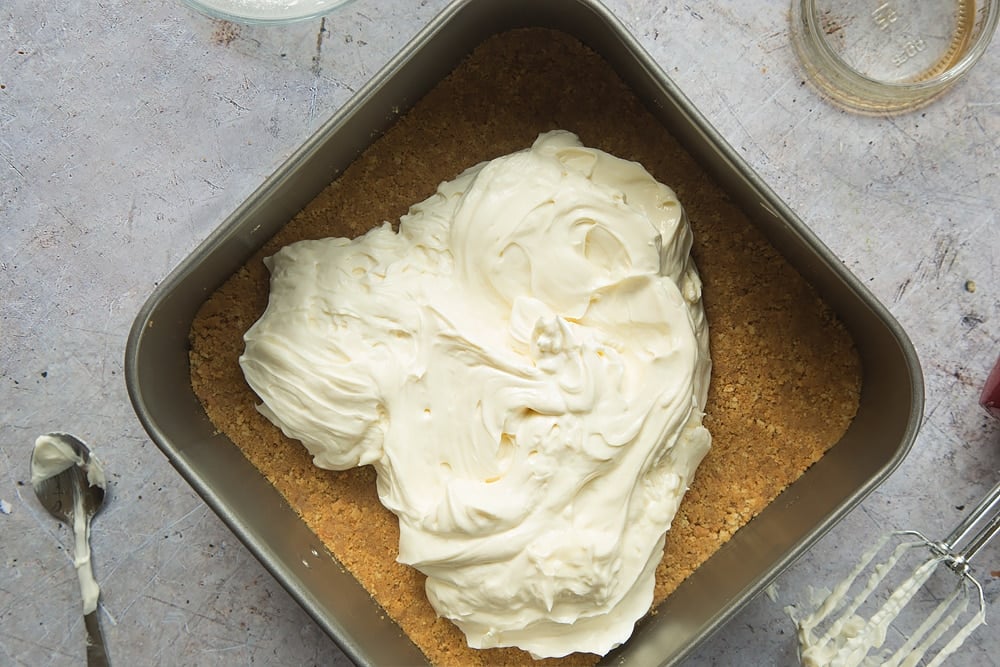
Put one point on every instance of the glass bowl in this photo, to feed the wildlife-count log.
(265, 11)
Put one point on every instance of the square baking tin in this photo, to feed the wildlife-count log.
(158, 374)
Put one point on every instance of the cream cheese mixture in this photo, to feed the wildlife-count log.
(525, 363)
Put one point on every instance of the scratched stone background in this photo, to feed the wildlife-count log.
(129, 130)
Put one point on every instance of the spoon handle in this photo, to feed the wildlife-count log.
(97, 654)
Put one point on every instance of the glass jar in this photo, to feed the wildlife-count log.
(887, 56)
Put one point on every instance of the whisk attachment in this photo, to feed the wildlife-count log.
(848, 639)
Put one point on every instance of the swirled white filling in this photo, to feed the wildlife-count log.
(525, 364)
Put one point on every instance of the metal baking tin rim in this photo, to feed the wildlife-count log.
(230, 239)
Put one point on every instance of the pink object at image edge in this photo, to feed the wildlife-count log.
(990, 398)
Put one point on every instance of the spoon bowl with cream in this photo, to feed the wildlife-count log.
(70, 483)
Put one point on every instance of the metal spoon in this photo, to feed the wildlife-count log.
(69, 483)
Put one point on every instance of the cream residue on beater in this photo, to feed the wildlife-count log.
(849, 640)
(525, 363)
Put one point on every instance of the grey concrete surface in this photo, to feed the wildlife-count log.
(129, 130)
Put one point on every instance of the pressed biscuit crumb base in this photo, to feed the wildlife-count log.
(785, 378)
